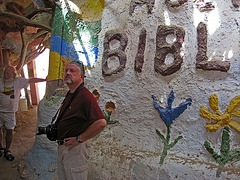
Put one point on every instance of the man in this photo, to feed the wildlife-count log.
(10, 88)
(80, 121)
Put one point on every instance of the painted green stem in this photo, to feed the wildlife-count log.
(107, 117)
(166, 140)
(225, 154)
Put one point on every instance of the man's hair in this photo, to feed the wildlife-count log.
(79, 64)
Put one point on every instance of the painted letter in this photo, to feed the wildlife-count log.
(173, 4)
(139, 60)
(117, 52)
(163, 49)
(202, 59)
(134, 3)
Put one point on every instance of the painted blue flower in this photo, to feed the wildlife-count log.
(169, 114)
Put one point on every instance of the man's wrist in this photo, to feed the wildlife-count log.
(78, 139)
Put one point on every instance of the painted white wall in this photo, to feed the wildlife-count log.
(132, 149)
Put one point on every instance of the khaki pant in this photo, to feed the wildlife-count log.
(73, 164)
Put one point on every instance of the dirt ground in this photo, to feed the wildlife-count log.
(24, 136)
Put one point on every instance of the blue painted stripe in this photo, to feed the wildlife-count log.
(88, 54)
(63, 48)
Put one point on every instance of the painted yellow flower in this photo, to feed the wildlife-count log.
(223, 119)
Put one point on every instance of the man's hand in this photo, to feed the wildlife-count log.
(71, 142)
(91, 132)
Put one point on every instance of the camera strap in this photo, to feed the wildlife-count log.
(80, 87)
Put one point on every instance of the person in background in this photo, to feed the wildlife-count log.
(10, 87)
(80, 121)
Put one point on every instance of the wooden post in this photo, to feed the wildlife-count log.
(26, 92)
(33, 86)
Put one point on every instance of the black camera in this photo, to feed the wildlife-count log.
(50, 130)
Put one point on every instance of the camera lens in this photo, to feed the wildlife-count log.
(42, 130)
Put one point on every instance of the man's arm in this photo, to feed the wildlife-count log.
(36, 80)
(91, 132)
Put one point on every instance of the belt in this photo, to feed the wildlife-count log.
(60, 142)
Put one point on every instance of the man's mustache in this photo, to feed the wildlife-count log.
(68, 76)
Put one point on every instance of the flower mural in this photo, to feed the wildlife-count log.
(96, 94)
(225, 154)
(224, 120)
(110, 108)
(169, 114)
